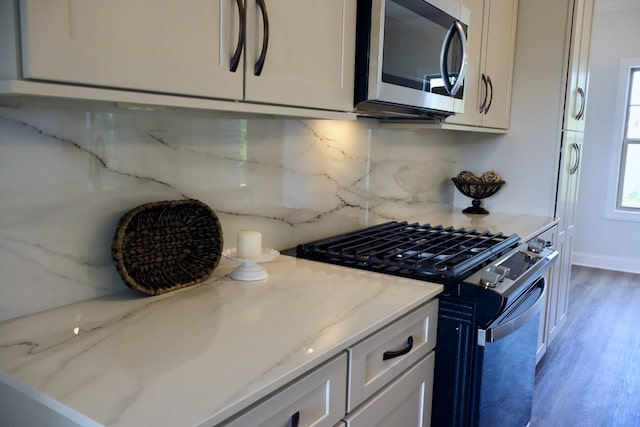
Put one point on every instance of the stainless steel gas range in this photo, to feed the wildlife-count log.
(494, 289)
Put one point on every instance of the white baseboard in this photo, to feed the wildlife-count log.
(627, 265)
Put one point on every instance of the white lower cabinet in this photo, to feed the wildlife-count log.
(377, 360)
(404, 402)
(317, 399)
(544, 329)
(391, 373)
(385, 380)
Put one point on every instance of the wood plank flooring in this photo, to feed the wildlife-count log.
(590, 375)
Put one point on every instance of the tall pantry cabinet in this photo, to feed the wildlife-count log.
(572, 136)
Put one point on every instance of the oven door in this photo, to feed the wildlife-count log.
(411, 53)
(506, 362)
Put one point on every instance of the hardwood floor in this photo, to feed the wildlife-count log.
(590, 376)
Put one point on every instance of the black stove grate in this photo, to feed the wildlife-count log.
(426, 252)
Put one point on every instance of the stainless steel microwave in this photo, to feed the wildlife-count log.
(411, 58)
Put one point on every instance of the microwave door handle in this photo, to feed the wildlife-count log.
(463, 64)
(455, 30)
(444, 54)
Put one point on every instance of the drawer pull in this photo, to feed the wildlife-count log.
(295, 419)
(407, 348)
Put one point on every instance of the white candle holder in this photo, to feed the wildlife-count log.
(249, 270)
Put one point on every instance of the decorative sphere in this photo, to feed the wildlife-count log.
(467, 176)
(490, 176)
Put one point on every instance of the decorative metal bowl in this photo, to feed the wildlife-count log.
(477, 190)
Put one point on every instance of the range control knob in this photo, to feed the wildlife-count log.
(489, 278)
(536, 245)
(501, 271)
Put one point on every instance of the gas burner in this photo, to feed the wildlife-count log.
(426, 255)
(433, 253)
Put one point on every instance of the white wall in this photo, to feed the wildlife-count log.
(602, 242)
(527, 157)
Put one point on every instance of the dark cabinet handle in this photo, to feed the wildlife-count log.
(265, 38)
(576, 163)
(582, 104)
(486, 92)
(397, 353)
(295, 419)
(486, 108)
(235, 59)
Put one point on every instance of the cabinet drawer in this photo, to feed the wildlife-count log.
(404, 402)
(317, 399)
(369, 371)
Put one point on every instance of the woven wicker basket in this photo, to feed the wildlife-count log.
(163, 246)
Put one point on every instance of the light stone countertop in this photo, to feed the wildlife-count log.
(198, 355)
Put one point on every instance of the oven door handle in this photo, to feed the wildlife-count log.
(490, 335)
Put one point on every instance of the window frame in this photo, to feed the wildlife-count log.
(618, 146)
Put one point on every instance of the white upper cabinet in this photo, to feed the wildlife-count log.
(578, 75)
(309, 54)
(491, 53)
(500, 23)
(205, 49)
(150, 45)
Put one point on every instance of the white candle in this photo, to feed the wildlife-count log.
(249, 244)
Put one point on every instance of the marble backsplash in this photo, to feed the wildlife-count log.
(67, 176)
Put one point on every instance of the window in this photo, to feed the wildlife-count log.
(623, 188)
(629, 181)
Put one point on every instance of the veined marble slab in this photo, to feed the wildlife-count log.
(66, 177)
(200, 354)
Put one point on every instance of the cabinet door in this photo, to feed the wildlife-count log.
(569, 179)
(491, 38)
(318, 400)
(497, 62)
(405, 402)
(566, 205)
(578, 77)
(558, 299)
(310, 51)
(165, 46)
(378, 359)
(549, 236)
